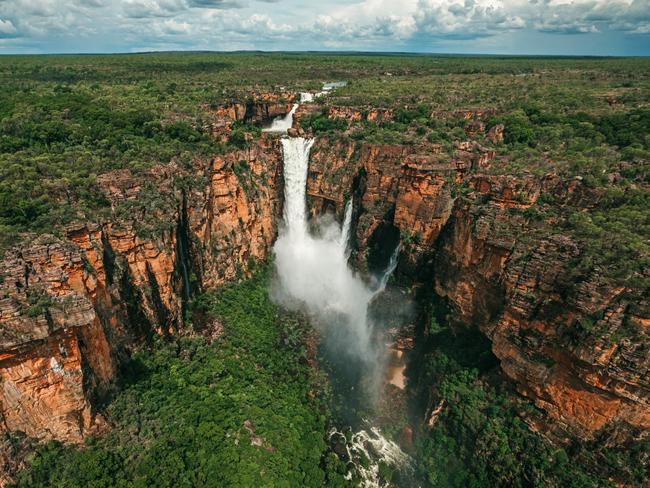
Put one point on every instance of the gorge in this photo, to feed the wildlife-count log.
(438, 252)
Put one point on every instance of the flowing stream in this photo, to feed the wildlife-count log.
(313, 276)
(283, 123)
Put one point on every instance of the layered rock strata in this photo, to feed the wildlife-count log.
(71, 308)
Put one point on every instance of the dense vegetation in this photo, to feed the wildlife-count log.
(246, 410)
(479, 438)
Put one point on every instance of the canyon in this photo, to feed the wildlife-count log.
(75, 305)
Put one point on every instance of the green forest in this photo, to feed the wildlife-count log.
(66, 120)
(251, 409)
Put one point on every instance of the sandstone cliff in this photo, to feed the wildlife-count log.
(467, 233)
(71, 308)
(567, 345)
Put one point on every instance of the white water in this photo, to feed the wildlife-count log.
(345, 230)
(309, 97)
(372, 445)
(306, 97)
(312, 270)
(388, 272)
(334, 84)
(283, 123)
(296, 157)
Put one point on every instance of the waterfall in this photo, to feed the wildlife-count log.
(313, 276)
(306, 97)
(345, 231)
(312, 271)
(296, 163)
(282, 123)
(388, 272)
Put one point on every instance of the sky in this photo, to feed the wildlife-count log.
(564, 27)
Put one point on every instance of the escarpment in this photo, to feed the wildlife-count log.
(566, 344)
(72, 307)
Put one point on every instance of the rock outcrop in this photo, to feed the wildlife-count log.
(257, 109)
(71, 309)
(50, 333)
(579, 350)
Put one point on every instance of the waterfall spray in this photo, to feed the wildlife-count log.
(312, 271)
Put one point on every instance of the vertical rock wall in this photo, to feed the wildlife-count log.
(71, 309)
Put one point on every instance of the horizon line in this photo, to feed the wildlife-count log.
(330, 52)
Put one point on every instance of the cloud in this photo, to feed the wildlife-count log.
(173, 27)
(140, 9)
(92, 3)
(7, 29)
(465, 19)
(422, 25)
(218, 4)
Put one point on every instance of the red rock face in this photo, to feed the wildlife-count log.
(501, 277)
(50, 332)
(70, 310)
(423, 203)
(519, 295)
(236, 222)
(405, 186)
(43, 392)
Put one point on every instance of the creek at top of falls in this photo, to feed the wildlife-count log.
(282, 123)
